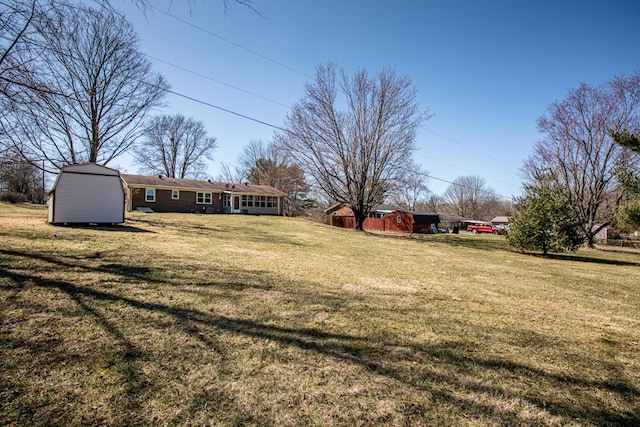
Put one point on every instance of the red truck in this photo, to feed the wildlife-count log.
(483, 228)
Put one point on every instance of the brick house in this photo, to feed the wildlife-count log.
(163, 194)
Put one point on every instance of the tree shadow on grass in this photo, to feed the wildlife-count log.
(479, 242)
(580, 258)
(239, 233)
(450, 372)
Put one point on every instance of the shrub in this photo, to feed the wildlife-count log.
(544, 221)
(12, 197)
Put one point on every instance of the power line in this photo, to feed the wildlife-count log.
(462, 169)
(226, 110)
(217, 81)
(244, 116)
(204, 30)
(495, 159)
(456, 184)
(276, 102)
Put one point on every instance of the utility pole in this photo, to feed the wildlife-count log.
(44, 191)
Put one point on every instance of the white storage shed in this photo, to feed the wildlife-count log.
(87, 194)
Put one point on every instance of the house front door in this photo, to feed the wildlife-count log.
(236, 203)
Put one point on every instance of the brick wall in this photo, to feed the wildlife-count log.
(185, 204)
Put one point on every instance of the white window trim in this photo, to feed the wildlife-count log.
(175, 194)
(146, 195)
(204, 198)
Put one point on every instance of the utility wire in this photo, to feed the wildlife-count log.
(204, 30)
(495, 159)
(218, 81)
(244, 116)
(456, 184)
(298, 72)
(262, 122)
(462, 169)
(226, 110)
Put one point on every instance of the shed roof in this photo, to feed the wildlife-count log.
(84, 168)
(161, 181)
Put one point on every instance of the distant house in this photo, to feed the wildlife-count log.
(500, 221)
(86, 194)
(384, 219)
(163, 194)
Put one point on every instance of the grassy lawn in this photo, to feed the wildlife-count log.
(249, 320)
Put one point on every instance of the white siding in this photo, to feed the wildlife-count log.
(87, 194)
(50, 207)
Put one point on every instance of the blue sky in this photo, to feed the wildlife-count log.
(486, 70)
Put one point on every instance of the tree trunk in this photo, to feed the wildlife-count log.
(360, 217)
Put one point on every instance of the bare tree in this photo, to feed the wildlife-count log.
(16, 32)
(19, 176)
(412, 187)
(99, 90)
(466, 195)
(354, 154)
(231, 173)
(21, 43)
(433, 203)
(175, 146)
(266, 165)
(578, 152)
(256, 150)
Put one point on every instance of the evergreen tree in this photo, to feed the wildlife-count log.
(544, 221)
(627, 217)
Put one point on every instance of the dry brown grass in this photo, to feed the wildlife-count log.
(240, 320)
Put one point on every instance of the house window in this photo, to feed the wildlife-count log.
(175, 194)
(203, 198)
(150, 195)
(271, 202)
(244, 201)
(227, 201)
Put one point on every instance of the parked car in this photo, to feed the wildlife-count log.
(483, 228)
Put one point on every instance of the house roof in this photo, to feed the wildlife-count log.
(499, 219)
(161, 181)
(333, 208)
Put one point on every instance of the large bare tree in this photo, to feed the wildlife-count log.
(100, 88)
(16, 36)
(175, 146)
(578, 152)
(353, 135)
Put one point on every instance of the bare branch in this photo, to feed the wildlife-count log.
(578, 152)
(354, 154)
(175, 146)
(99, 88)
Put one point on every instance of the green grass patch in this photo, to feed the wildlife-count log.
(250, 320)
